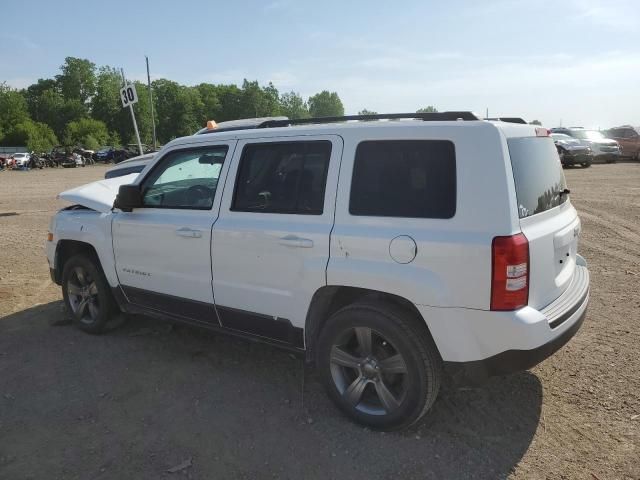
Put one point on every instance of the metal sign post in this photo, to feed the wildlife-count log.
(153, 120)
(128, 96)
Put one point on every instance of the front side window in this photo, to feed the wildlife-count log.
(185, 179)
(404, 178)
(285, 177)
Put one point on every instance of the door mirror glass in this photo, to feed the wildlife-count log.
(128, 198)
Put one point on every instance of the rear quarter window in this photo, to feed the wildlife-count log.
(537, 173)
(404, 178)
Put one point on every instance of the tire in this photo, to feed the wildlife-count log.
(403, 362)
(87, 294)
(586, 164)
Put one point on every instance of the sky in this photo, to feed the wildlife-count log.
(569, 62)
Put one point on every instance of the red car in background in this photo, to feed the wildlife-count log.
(629, 139)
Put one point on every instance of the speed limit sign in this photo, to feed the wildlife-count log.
(128, 95)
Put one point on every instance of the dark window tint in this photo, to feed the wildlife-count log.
(404, 178)
(537, 173)
(283, 178)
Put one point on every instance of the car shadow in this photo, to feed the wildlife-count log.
(151, 396)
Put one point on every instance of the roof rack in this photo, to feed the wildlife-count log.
(508, 120)
(427, 117)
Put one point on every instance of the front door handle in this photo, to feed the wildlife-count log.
(295, 241)
(188, 232)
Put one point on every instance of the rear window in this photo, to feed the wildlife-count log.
(404, 178)
(537, 173)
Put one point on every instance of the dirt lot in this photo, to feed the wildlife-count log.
(148, 397)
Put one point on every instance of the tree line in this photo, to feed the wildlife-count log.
(81, 107)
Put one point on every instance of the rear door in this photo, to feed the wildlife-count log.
(271, 242)
(547, 218)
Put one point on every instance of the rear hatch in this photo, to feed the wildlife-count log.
(547, 218)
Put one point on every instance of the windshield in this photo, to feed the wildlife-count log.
(560, 136)
(588, 134)
(537, 174)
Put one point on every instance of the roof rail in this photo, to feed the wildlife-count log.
(508, 120)
(427, 117)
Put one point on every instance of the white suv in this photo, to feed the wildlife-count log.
(390, 251)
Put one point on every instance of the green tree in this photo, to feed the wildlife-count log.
(13, 107)
(179, 109)
(106, 105)
(364, 111)
(429, 109)
(77, 80)
(36, 136)
(293, 105)
(34, 94)
(211, 106)
(326, 104)
(258, 102)
(230, 97)
(86, 132)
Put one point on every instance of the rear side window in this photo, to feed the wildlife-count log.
(537, 173)
(404, 178)
(283, 178)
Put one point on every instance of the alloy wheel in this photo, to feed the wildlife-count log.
(83, 296)
(368, 371)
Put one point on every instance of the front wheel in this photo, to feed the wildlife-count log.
(379, 365)
(87, 294)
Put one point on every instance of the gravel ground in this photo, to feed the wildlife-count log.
(152, 397)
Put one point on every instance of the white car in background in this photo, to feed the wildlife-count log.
(21, 160)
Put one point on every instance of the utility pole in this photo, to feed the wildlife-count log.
(153, 119)
(487, 114)
(133, 116)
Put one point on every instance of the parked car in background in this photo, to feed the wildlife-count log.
(20, 160)
(105, 154)
(131, 165)
(87, 155)
(572, 151)
(629, 139)
(604, 149)
(130, 151)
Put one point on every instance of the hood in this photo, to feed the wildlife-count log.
(604, 141)
(568, 142)
(98, 195)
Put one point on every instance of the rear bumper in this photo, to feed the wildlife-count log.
(577, 159)
(511, 361)
(477, 344)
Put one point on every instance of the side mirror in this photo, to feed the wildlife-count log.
(128, 198)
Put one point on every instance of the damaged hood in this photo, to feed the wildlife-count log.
(98, 195)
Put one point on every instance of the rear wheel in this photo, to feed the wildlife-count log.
(379, 365)
(586, 164)
(87, 294)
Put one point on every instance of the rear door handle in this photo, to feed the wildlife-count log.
(295, 241)
(188, 232)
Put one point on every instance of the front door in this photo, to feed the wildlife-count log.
(271, 242)
(162, 250)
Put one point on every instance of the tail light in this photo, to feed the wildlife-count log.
(510, 272)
